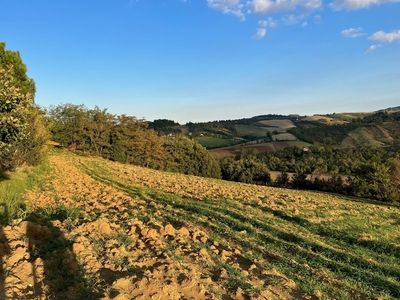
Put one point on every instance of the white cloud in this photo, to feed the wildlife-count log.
(268, 23)
(372, 48)
(260, 33)
(233, 7)
(382, 36)
(293, 19)
(317, 19)
(262, 23)
(353, 32)
(271, 6)
(357, 4)
(304, 24)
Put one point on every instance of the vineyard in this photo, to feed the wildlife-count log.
(94, 229)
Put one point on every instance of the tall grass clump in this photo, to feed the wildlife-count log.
(13, 186)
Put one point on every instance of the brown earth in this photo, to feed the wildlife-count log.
(97, 229)
(87, 241)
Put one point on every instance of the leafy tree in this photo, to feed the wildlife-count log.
(14, 106)
(247, 170)
(98, 125)
(67, 124)
(29, 150)
(22, 134)
(283, 180)
(189, 157)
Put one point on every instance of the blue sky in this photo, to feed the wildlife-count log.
(203, 60)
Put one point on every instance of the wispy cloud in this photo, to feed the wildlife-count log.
(293, 18)
(317, 19)
(261, 32)
(382, 36)
(353, 32)
(304, 24)
(262, 25)
(270, 22)
(357, 4)
(233, 7)
(372, 48)
(271, 6)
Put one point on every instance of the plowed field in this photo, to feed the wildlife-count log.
(95, 229)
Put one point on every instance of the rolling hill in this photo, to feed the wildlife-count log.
(88, 228)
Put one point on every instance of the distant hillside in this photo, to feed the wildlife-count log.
(390, 109)
(365, 129)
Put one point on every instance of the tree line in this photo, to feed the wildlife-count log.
(127, 139)
(362, 172)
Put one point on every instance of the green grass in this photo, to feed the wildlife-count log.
(342, 117)
(251, 130)
(12, 189)
(362, 140)
(213, 142)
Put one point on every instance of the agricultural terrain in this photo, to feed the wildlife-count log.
(232, 151)
(88, 228)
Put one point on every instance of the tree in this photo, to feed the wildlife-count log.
(14, 107)
(22, 133)
(98, 125)
(67, 125)
(189, 157)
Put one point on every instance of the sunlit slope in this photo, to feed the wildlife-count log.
(371, 136)
(139, 233)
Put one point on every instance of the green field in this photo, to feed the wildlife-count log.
(343, 117)
(212, 142)
(252, 130)
(281, 124)
(363, 140)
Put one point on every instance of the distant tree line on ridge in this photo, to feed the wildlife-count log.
(362, 172)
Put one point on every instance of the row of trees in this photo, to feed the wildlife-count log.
(22, 132)
(127, 139)
(371, 173)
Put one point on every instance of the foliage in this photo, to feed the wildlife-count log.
(213, 142)
(22, 132)
(127, 139)
(164, 126)
(189, 157)
(13, 108)
(246, 168)
(30, 150)
(313, 132)
(370, 171)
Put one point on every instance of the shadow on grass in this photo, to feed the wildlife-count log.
(64, 277)
(49, 265)
(3, 176)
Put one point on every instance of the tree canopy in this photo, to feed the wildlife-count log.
(22, 134)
